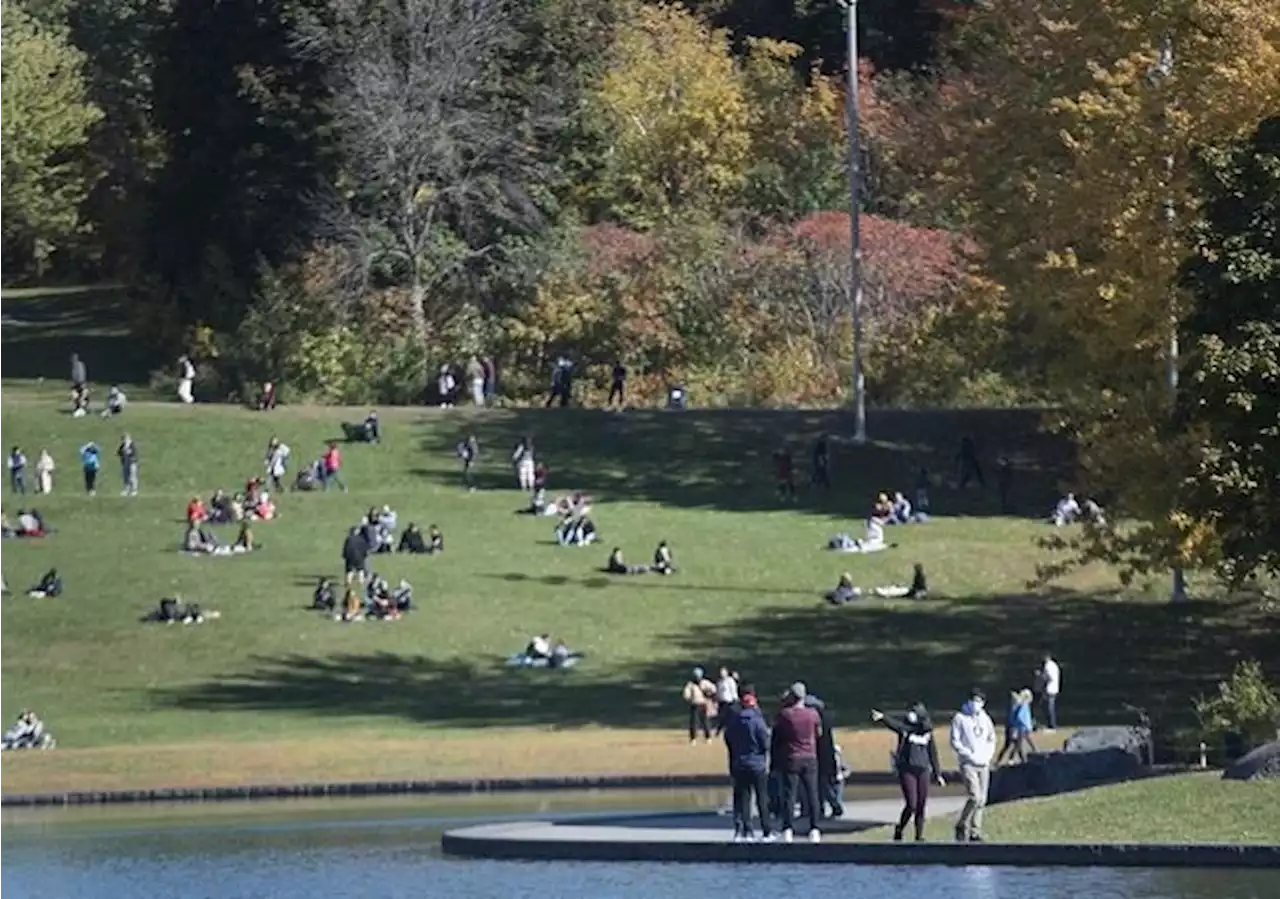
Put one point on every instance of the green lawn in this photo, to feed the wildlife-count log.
(748, 593)
(1187, 808)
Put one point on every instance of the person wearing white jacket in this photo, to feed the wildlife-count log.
(973, 737)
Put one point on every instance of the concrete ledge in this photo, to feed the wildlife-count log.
(534, 841)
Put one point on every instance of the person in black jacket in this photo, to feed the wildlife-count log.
(828, 785)
(355, 556)
(747, 738)
(916, 760)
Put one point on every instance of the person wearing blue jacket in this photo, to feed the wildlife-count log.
(747, 738)
(90, 462)
(1018, 727)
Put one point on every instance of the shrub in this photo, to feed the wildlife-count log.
(1246, 705)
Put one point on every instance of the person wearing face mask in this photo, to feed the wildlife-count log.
(916, 761)
(973, 737)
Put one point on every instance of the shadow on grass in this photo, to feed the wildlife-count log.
(856, 657)
(41, 329)
(641, 582)
(722, 459)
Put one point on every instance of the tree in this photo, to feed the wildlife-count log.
(674, 115)
(429, 152)
(1068, 151)
(47, 120)
(1232, 404)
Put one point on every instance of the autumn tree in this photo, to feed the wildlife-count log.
(674, 115)
(1071, 134)
(47, 121)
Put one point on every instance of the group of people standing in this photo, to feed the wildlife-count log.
(90, 464)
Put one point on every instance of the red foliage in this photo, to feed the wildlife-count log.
(903, 260)
(610, 248)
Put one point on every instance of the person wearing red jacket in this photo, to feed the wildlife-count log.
(332, 464)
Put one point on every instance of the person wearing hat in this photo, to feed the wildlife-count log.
(796, 734)
(973, 737)
(700, 696)
(916, 761)
(746, 736)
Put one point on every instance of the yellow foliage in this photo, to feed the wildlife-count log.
(674, 112)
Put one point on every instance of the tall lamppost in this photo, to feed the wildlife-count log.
(1162, 70)
(855, 206)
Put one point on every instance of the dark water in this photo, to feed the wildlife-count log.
(345, 849)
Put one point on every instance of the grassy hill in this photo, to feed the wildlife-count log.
(272, 673)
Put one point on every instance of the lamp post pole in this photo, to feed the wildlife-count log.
(1163, 69)
(855, 206)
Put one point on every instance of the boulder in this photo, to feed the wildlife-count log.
(1090, 758)
(1260, 764)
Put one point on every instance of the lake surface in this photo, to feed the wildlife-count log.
(366, 849)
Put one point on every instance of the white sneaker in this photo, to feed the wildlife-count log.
(739, 838)
(770, 838)
(815, 836)
(788, 836)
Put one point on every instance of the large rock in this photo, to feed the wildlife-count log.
(1261, 763)
(1090, 758)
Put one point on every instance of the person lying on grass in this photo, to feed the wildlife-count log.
(663, 563)
(27, 733)
(172, 611)
(49, 587)
(844, 591)
(540, 653)
(31, 524)
(617, 565)
(919, 588)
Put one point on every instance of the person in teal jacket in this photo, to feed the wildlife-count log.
(90, 462)
(1018, 727)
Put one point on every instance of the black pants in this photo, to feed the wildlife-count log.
(820, 478)
(698, 720)
(915, 796)
(466, 475)
(970, 470)
(746, 782)
(618, 391)
(800, 779)
(90, 479)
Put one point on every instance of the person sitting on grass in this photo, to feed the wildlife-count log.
(385, 603)
(1066, 512)
(844, 591)
(310, 477)
(435, 540)
(352, 607)
(6, 529)
(919, 588)
(900, 510)
(616, 564)
(116, 401)
(562, 656)
(31, 523)
(267, 397)
(198, 540)
(663, 563)
(50, 586)
(539, 648)
(80, 401)
(172, 611)
(324, 598)
(882, 508)
(411, 541)
(27, 733)
(218, 511)
(576, 531)
(197, 514)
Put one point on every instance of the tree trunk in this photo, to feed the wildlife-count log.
(418, 310)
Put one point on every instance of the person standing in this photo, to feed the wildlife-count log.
(820, 476)
(618, 384)
(490, 379)
(446, 384)
(468, 451)
(524, 461)
(1049, 679)
(79, 375)
(277, 463)
(44, 472)
(973, 737)
(186, 379)
(475, 377)
(796, 733)
(332, 465)
(127, 452)
(18, 470)
(970, 467)
(699, 695)
(726, 698)
(90, 462)
(1004, 482)
(916, 761)
(746, 736)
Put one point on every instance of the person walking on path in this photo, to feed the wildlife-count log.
(44, 472)
(332, 464)
(916, 761)
(699, 695)
(746, 736)
(127, 452)
(1018, 727)
(468, 452)
(796, 733)
(973, 737)
(18, 470)
(1049, 678)
(276, 462)
(90, 462)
